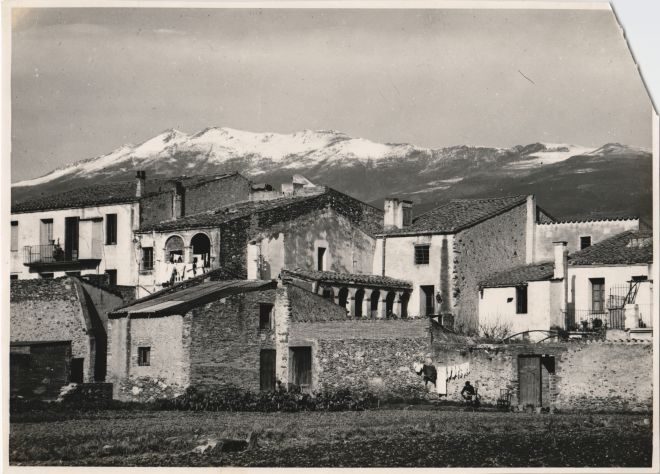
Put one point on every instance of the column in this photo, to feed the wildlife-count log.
(396, 309)
(366, 304)
(382, 305)
(351, 302)
(335, 294)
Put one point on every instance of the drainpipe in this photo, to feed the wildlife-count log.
(383, 256)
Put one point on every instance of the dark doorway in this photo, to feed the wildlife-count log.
(426, 306)
(71, 227)
(301, 368)
(320, 264)
(389, 304)
(529, 379)
(39, 370)
(404, 304)
(77, 364)
(375, 297)
(359, 302)
(343, 297)
(201, 251)
(267, 370)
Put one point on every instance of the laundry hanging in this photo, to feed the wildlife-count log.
(441, 385)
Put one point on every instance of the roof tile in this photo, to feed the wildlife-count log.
(458, 214)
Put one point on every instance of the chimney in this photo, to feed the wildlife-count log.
(178, 201)
(139, 188)
(398, 213)
(561, 260)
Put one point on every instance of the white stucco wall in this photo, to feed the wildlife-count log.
(579, 284)
(119, 256)
(400, 263)
(497, 307)
(570, 232)
(150, 281)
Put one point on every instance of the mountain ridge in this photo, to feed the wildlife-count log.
(370, 170)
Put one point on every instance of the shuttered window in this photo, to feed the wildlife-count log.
(14, 236)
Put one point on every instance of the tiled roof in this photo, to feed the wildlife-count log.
(520, 275)
(225, 214)
(97, 195)
(117, 192)
(288, 207)
(178, 302)
(590, 219)
(629, 247)
(347, 278)
(458, 214)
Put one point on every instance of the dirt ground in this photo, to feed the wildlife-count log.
(428, 437)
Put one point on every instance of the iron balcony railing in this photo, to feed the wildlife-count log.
(47, 253)
(590, 320)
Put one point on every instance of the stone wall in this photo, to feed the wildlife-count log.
(373, 355)
(51, 310)
(156, 208)
(226, 341)
(495, 245)
(167, 374)
(216, 193)
(596, 376)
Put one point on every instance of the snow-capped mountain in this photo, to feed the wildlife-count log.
(370, 170)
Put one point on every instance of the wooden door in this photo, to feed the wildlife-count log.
(529, 377)
(267, 370)
(301, 367)
(71, 238)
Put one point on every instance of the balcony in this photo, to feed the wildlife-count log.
(52, 255)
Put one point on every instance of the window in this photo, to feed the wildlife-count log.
(144, 355)
(265, 316)
(320, 256)
(640, 278)
(422, 254)
(110, 229)
(597, 294)
(147, 258)
(521, 300)
(46, 275)
(14, 236)
(72, 274)
(13, 276)
(46, 232)
(112, 277)
(585, 242)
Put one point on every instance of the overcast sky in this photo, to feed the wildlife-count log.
(85, 81)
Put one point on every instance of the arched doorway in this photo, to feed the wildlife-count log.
(359, 300)
(343, 297)
(174, 249)
(389, 304)
(405, 297)
(201, 251)
(375, 296)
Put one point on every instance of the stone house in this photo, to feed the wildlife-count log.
(447, 252)
(609, 282)
(89, 230)
(253, 334)
(309, 227)
(58, 333)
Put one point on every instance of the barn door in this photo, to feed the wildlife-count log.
(301, 368)
(267, 370)
(529, 377)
